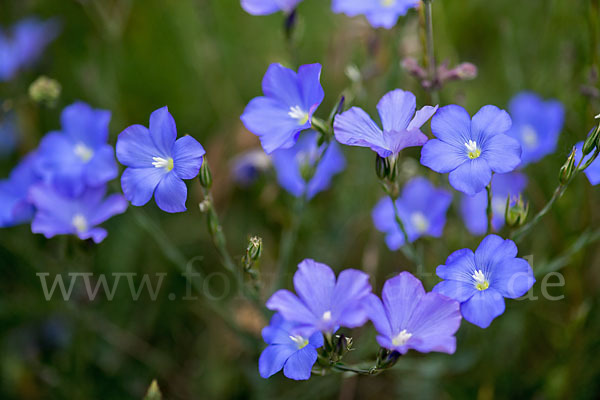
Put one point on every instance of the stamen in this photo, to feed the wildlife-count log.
(401, 338)
(80, 223)
(83, 152)
(480, 282)
(326, 316)
(473, 150)
(299, 341)
(298, 114)
(160, 162)
(419, 221)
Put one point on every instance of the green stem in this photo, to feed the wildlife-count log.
(431, 64)
(490, 209)
(408, 249)
(287, 242)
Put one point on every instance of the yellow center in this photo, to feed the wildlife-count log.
(388, 3)
(160, 162)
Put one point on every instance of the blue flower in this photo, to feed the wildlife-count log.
(593, 171)
(471, 149)
(265, 7)
(58, 214)
(474, 208)
(400, 129)
(289, 349)
(248, 166)
(78, 156)
(287, 106)
(409, 318)
(322, 303)
(15, 207)
(379, 13)
(306, 168)
(479, 281)
(158, 162)
(8, 134)
(536, 124)
(22, 45)
(422, 209)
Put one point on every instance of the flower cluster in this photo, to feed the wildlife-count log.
(60, 187)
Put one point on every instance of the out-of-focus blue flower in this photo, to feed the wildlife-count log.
(8, 133)
(78, 156)
(287, 107)
(471, 149)
(422, 209)
(23, 44)
(536, 124)
(15, 207)
(481, 280)
(289, 349)
(409, 318)
(265, 7)
(248, 166)
(308, 168)
(379, 13)
(401, 126)
(58, 214)
(593, 171)
(474, 208)
(158, 162)
(322, 304)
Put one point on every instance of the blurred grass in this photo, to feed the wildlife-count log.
(205, 60)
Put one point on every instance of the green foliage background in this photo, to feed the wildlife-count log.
(205, 60)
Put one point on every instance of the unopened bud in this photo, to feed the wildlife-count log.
(153, 392)
(205, 175)
(516, 212)
(254, 249)
(566, 171)
(45, 90)
(466, 71)
(591, 142)
(386, 168)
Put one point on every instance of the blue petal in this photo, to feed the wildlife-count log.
(396, 110)
(351, 8)
(502, 153)
(171, 194)
(288, 171)
(57, 163)
(397, 141)
(269, 120)
(492, 250)
(355, 128)
(332, 162)
(163, 132)
(489, 121)
(316, 340)
(113, 205)
(460, 265)
(82, 123)
(54, 212)
(273, 357)
(187, 157)
(260, 7)
(474, 212)
(351, 289)
(315, 282)
(299, 365)
(401, 295)
(281, 84)
(460, 291)
(290, 307)
(442, 157)
(592, 172)
(135, 147)
(102, 167)
(452, 124)
(378, 315)
(382, 18)
(483, 307)
(139, 183)
(471, 177)
(310, 86)
(512, 277)
(421, 117)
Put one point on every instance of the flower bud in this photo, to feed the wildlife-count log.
(515, 213)
(591, 142)
(205, 175)
(204, 205)
(386, 168)
(568, 168)
(254, 249)
(153, 392)
(45, 90)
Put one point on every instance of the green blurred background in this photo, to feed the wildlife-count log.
(205, 59)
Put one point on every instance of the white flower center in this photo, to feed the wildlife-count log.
(401, 338)
(299, 341)
(529, 136)
(419, 221)
(481, 282)
(298, 114)
(326, 316)
(83, 152)
(499, 205)
(160, 162)
(388, 3)
(473, 150)
(80, 223)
